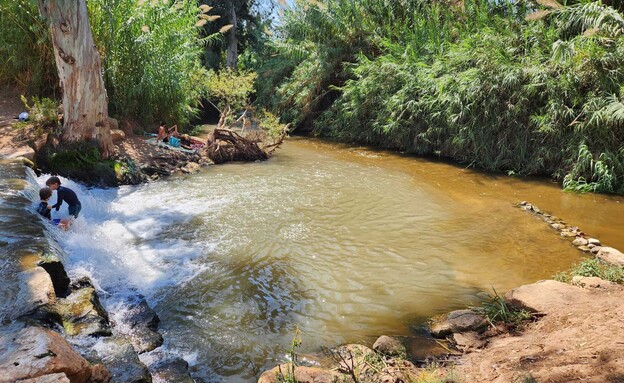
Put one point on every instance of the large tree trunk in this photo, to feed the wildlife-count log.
(232, 49)
(85, 104)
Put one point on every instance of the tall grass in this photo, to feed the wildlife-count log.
(26, 49)
(151, 57)
(476, 83)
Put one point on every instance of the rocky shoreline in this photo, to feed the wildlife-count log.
(54, 329)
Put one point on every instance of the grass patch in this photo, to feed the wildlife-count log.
(496, 310)
(593, 267)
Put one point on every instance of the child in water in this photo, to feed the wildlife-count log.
(43, 209)
(64, 194)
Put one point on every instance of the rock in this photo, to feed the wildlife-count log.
(584, 249)
(120, 359)
(99, 374)
(302, 375)
(557, 226)
(35, 291)
(567, 233)
(113, 124)
(389, 346)
(52, 378)
(57, 273)
(593, 282)
(458, 321)
(580, 241)
(543, 296)
(595, 249)
(81, 311)
(35, 352)
(593, 241)
(468, 340)
(610, 255)
(191, 167)
(591, 245)
(173, 369)
(143, 325)
(118, 135)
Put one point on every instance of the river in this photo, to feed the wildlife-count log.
(345, 243)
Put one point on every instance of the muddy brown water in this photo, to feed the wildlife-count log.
(345, 243)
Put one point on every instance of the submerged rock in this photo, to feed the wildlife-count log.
(457, 321)
(389, 346)
(120, 359)
(610, 255)
(172, 369)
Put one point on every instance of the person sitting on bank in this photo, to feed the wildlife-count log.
(164, 133)
(43, 209)
(64, 194)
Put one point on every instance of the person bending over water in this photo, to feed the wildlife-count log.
(64, 194)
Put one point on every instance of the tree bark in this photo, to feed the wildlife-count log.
(85, 104)
(232, 49)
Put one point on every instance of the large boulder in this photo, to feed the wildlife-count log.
(35, 352)
(611, 255)
(389, 346)
(35, 291)
(457, 321)
(81, 312)
(544, 296)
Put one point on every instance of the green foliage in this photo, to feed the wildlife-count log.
(289, 376)
(151, 57)
(26, 49)
(496, 310)
(477, 84)
(593, 267)
(230, 88)
(43, 112)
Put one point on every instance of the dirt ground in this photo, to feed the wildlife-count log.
(11, 143)
(580, 338)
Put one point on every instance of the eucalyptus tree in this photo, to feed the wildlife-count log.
(85, 104)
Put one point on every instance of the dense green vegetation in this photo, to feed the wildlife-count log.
(509, 86)
(475, 82)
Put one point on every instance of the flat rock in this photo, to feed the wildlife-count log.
(302, 375)
(544, 296)
(593, 241)
(457, 321)
(35, 290)
(595, 249)
(35, 352)
(389, 346)
(611, 255)
(593, 282)
(52, 378)
(580, 241)
(584, 249)
(466, 341)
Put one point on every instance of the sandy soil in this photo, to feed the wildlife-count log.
(12, 144)
(579, 339)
